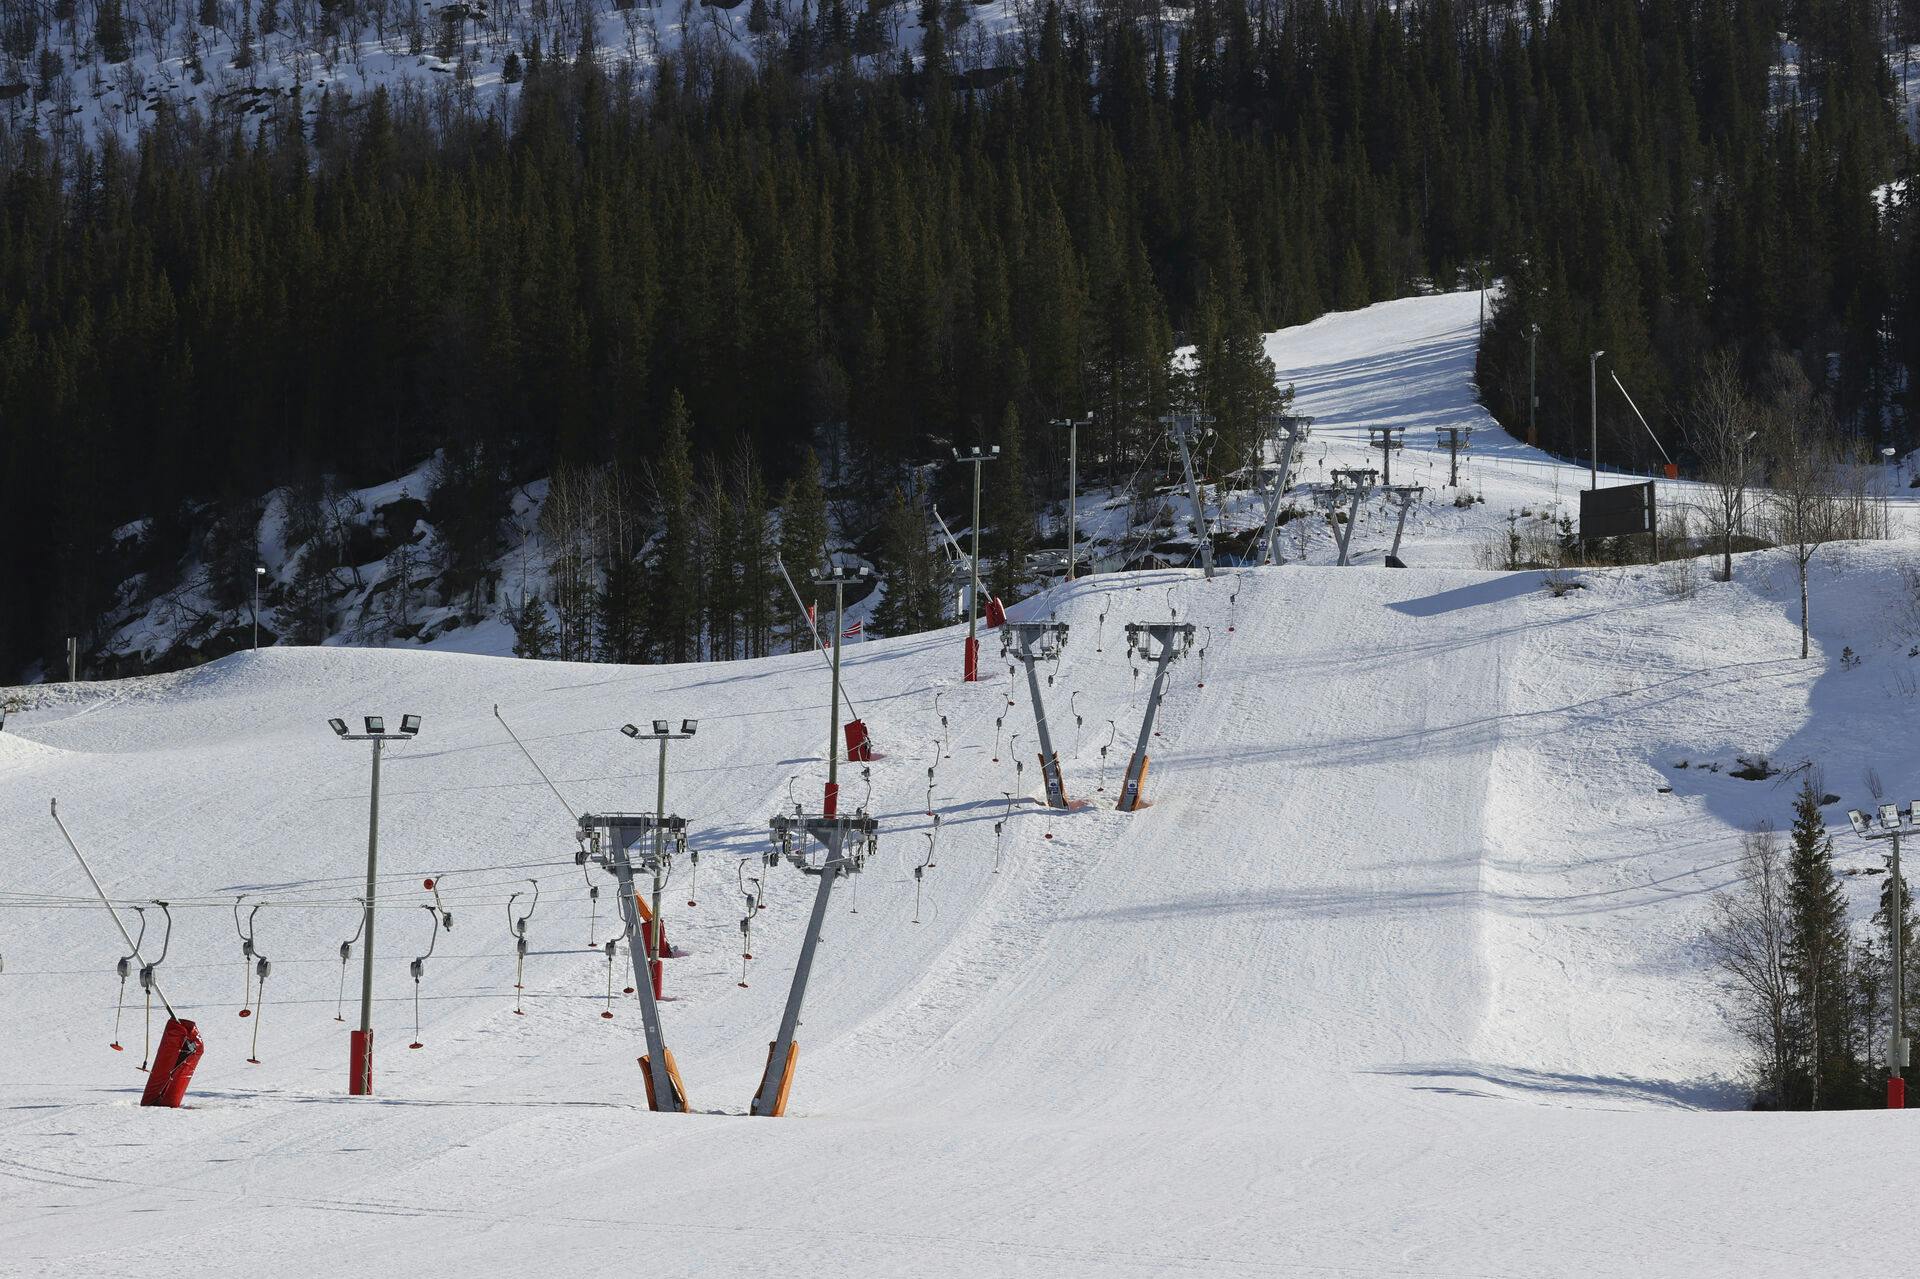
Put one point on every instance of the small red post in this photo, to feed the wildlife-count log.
(360, 1063)
(659, 979)
(973, 660)
(830, 806)
(1896, 1093)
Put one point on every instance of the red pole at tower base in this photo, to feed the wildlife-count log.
(659, 979)
(830, 806)
(360, 1063)
(973, 660)
(1896, 1094)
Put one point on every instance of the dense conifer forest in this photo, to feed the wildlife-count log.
(695, 276)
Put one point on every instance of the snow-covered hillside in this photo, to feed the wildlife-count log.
(1396, 976)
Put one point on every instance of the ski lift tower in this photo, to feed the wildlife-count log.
(613, 841)
(1389, 440)
(1351, 485)
(1174, 639)
(847, 842)
(1455, 440)
(1404, 495)
(1185, 428)
(1030, 643)
(1287, 430)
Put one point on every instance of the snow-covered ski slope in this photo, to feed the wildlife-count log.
(1395, 977)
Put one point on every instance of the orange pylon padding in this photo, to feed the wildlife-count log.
(786, 1075)
(673, 1074)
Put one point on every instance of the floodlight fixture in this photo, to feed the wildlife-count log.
(376, 724)
(339, 726)
(689, 726)
(260, 570)
(1889, 817)
(630, 730)
(662, 727)
(409, 724)
(1859, 820)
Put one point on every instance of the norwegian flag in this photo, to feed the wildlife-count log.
(852, 632)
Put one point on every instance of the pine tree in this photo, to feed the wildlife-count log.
(911, 572)
(1817, 953)
(1008, 510)
(803, 532)
(533, 634)
(677, 575)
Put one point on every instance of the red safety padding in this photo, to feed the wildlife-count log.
(859, 745)
(973, 660)
(996, 612)
(173, 1063)
(360, 1063)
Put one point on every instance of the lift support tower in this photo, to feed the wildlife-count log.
(848, 841)
(1174, 638)
(611, 837)
(1032, 642)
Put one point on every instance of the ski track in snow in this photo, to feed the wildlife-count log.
(1394, 977)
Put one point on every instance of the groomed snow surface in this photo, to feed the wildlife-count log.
(1397, 976)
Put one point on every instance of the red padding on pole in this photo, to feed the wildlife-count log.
(1896, 1094)
(830, 806)
(996, 612)
(360, 1063)
(173, 1063)
(973, 659)
(859, 745)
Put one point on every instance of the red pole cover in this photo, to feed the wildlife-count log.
(830, 806)
(1896, 1094)
(973, 659)
(179, 1052)
(360, 1063)
(859, 745)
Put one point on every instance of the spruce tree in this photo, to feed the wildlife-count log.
(677, 578)
(1817, 952)
(1008, 510)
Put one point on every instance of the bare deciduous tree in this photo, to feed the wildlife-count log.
(1720, 426)
(1747, 941)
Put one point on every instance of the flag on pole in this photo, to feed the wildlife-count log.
(852, 631)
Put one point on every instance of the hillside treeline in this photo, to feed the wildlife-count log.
(807, 241)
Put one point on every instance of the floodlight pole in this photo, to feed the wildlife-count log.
(259, 572)
(1017, 640)
(1073, 487)
(1897, 1042)
(972, 667)
(1143, 635)
(838, 580)
(366, 920)
(656, 935)
(1593, 403)
(360, 1042)
(1533, 396)
(1180, 426)
(1292, 428)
